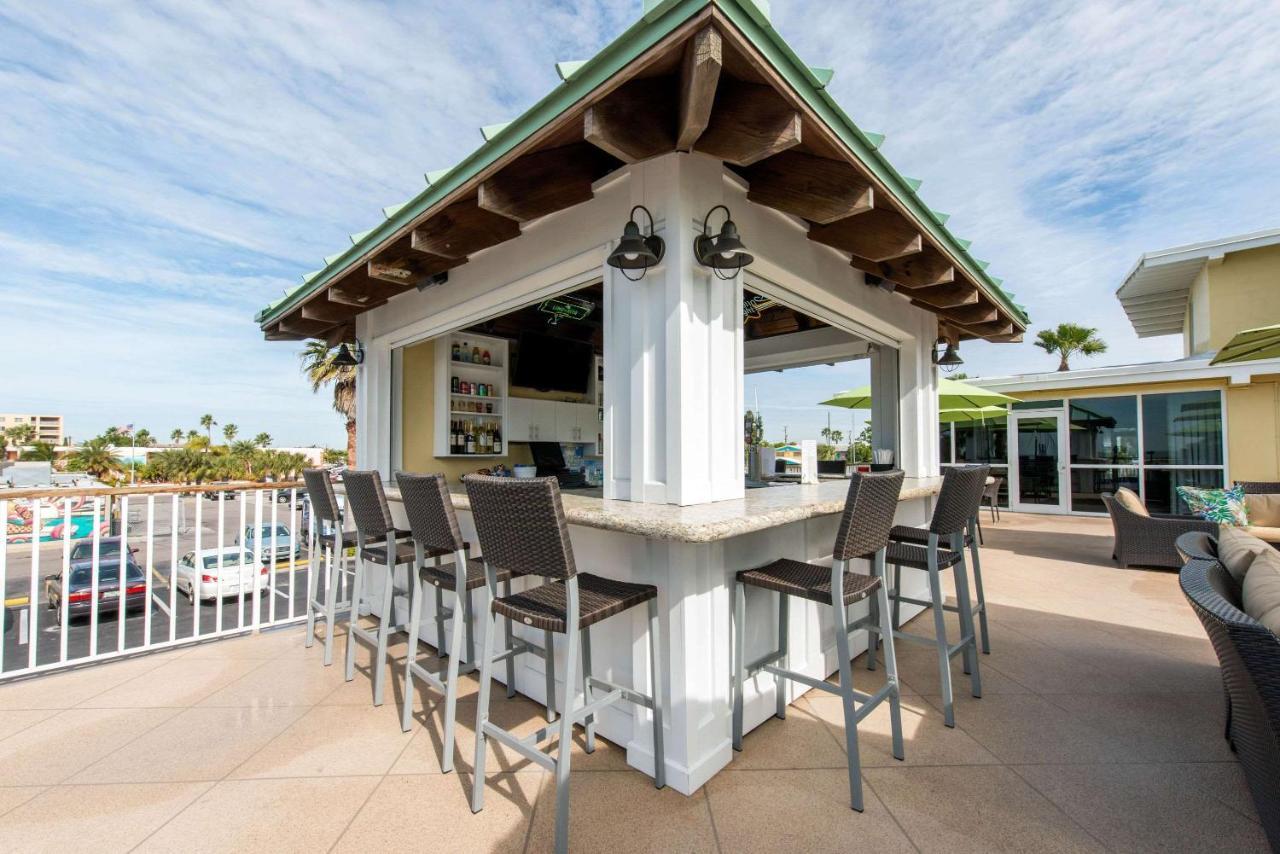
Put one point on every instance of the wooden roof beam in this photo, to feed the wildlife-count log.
(965, 315)
(877, 235)
(543, 182)
(995, 327)
(699, 74)
(940, 297)
(273, 333)
(461, 229)
(298, 325)
(925, 269)
(750, 121)
(635, 122)
(813, 188)
(320, 309)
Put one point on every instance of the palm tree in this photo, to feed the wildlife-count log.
(262, 440)
(1069, 339)
(41, 452)
(176, 435)
(320, 371)
(95, 457)
(207, 422)
(229, 432)
(20, 435)
(143, 438)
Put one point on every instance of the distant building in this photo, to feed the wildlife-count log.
(48, 427)
(1151, 427)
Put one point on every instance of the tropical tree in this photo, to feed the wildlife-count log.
(115, 436)
(40, 452)
(333, 456)
(229, 432)
(96, 458)
(19, 435)
(192, 434)
(1069, 339)
(143, 438)
(207, 422)
(262, 440)
(176, 435)
(320, 371)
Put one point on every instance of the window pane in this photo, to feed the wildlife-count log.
(1038, 404)
(944, 449)
(1087, 486)
(982, 441)
(1104, 430)
(1183, 429)
(1162, 496)
(1002, 472)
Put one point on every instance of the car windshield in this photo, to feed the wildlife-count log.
(84, 550)
(228, 559)
(280, 531)
(108, 574)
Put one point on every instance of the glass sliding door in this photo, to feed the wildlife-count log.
(1037, 462)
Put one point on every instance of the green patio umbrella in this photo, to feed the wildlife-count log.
(952, 395)
(971, 413)
(1251, 345)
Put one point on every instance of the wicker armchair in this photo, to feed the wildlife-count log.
(1149, 540)
(1249, 655)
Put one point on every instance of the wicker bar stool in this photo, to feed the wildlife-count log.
(920, 537)
(942, 546)
(378, 543)
(436, 534)
(329, 552)
(522, 529)
(863, 533)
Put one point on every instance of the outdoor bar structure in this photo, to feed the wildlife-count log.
(698, 113)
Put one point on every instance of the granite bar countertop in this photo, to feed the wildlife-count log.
(758, 510)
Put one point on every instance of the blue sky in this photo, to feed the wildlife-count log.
(168, 168)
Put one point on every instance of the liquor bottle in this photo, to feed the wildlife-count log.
(484, 440)
(471, 439)
(485, 357)
(457, 437)
(457, 352)
(455, 384)
(497, 440)
(475, 354)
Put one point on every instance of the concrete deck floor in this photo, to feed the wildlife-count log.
(1100, 727)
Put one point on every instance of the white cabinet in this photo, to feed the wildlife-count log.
(576, 422)
(531, 420)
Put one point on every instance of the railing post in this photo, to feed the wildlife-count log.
(257, 559)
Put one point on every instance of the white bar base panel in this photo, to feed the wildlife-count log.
(695, 586)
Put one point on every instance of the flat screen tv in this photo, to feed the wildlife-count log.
(548, 363)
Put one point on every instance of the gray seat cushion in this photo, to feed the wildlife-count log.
(1237, 549)
(1261, 593)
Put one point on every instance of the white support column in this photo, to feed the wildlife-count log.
(918, 394)
(673, 354)
(373, 403)
(885, 401)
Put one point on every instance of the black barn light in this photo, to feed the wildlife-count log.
(348, 358)
(725, 251)
(636, 251)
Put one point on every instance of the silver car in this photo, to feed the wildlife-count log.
(277, 537)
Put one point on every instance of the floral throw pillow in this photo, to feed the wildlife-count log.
(1224, 506)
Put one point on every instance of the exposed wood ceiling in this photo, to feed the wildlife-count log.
(702, 89)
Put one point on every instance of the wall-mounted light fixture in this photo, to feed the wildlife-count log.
(725, 251)
(950, 359)
(347, 357)
(636, 251)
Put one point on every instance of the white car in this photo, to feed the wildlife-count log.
(198, 574)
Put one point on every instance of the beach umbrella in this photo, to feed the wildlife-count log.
(965, 415)
(1251, 345)
(952, 395)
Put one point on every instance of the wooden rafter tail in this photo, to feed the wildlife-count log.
(750, 122)
(877, 235)
(941, 297)
(273, 333)
(922, 270)
(986, 330)
(981, 312)
(818, 189)
(1012, 338)
(461, 229)
(298, 325)
(322, 310)
(699, 75)
(634, 122)
(344, 333)
(543, 182)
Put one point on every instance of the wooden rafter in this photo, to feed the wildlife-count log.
(633, 123)
(814, 188)
(300, 326)
(750, 122)
(699, 74)
(462, 229)
(980, 312)
(324, 311)
(925, 269)
(877, 235)
(342, 333)
(946, 296)
(543, 182)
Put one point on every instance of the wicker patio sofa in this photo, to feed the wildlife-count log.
(1262, 498)
(1249, 656)
(1147, 539)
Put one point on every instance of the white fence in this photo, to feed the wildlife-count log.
(104, 572)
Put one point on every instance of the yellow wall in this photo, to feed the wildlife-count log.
(1253, 419)
(1244, 292)
(418, 425)
(1195, 326)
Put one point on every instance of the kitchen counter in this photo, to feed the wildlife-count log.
(758, 510)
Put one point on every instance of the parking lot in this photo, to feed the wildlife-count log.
(170, 614)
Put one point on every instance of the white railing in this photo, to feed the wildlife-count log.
(90, 574)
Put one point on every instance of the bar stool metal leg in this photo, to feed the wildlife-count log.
(655, 681)
(589, 722)
(357, 585)
(564, 750)
(441, 649)
(334, 575)
(415, 619)
(890, 656)
(982, 599)
(509, 638)
(549, 668)
(967, 631)
(482, 702)
(784, 631)
(840, 620)
(739, 658)
(384, 633)
(940, 634)
(314, 558)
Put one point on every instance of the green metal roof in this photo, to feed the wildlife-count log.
(660, 18)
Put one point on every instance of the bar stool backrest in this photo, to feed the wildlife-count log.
(962, 488)
(521, 525)
(324, 503)
(432, 520)
(367, 502)
(868, 514)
